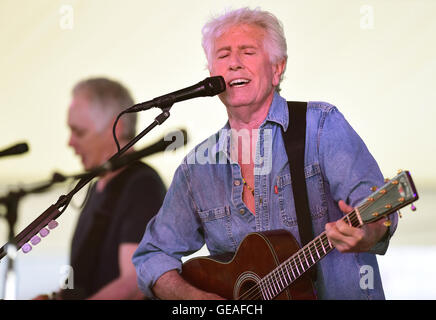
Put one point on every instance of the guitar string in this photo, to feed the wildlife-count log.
(279, 273)
(272, 278)
(270, 281)
(321, 242)
(275, 274)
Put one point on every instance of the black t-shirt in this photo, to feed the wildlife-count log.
(119, 214)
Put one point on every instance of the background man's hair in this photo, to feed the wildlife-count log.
(111, 97)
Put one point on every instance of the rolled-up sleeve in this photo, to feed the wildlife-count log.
(173, 233)
(349, 167)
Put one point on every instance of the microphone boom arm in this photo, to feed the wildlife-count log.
(55, 210)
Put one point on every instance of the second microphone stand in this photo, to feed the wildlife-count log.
(55, 210)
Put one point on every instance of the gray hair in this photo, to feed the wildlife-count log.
(274, 42)
(110, 97)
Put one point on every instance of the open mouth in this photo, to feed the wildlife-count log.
(239, 82)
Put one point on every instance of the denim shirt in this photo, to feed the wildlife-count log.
(204, 202)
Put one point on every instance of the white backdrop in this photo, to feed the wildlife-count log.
(375, 60)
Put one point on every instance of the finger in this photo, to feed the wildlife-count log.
(345, 229)
(343, 237)
(335, 237)
(344, 207)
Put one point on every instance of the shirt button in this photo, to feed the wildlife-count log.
(237, 182)
(242, 211)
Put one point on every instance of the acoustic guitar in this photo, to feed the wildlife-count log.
(270, 265)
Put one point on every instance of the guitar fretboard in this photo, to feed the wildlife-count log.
(292, 268)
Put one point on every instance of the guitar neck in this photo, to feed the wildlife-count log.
(394, 195)
(296, 265)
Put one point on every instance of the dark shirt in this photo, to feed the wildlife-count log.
(119, 214)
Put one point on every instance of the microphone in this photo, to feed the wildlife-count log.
(208, 87)
(159, 146)
(16, 149)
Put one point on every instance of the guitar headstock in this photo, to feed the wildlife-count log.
(392, 196)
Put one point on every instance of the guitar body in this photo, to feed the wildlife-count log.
(233, 276)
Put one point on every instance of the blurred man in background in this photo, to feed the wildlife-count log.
(119, 204)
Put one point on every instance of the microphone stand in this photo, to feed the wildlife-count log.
(65, 200)
(54, 211)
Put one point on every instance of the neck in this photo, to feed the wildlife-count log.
(108, 176)
(249, 117)
(104, 180)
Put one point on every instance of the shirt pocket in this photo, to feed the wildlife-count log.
(315, 192)
(217, 225)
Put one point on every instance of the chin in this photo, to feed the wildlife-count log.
(235, 102)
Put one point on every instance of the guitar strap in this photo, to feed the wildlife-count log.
(295, 141)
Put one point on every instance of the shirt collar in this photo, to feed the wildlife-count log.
(278, 112)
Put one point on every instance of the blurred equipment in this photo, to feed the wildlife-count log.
(11, 203)
(170, 142)
(16, 149)
(46, 221)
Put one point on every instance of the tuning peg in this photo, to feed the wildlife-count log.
(386, 180)
(26, 248)
(374, 188)
(35, 240)
(44, 232)
(52, 224)
(412, 207)
(387, 223)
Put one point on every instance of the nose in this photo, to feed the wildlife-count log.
(72, 142)
(235, 62)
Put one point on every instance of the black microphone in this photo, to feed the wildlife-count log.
(179, 138)
(16, 149)
(208, 87)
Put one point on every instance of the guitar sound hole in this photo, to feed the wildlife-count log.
(249, 290)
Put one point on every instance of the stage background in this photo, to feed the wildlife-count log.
(375, 60)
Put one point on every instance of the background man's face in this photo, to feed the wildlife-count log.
(91, 142)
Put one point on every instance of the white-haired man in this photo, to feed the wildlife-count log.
(220, 203)
(119, 204)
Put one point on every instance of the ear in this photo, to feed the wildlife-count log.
(278, 70)
(119, 129)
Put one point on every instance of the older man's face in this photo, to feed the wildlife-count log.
(239, 56)
(92, 144)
